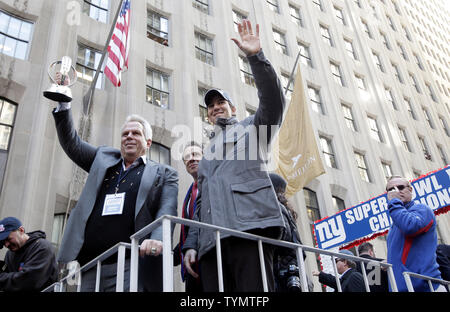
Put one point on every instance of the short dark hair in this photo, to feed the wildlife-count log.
(365, 247)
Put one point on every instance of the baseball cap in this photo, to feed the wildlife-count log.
(212, 92)
(7, 225)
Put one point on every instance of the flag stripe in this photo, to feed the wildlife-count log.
(119, 45)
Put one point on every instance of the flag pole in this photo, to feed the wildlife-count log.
(291, 77)
(88, 96)
(85, 118)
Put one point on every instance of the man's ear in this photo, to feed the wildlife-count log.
(233, 110)
(149, 143)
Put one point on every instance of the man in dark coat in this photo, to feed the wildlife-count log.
(351, 280)
(124, 192)
(30, 263)
(376, 276)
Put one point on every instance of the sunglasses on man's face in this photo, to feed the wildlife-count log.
(399, 187)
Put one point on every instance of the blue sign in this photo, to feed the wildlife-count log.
(372, 217)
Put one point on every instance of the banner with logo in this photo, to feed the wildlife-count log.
(353, 226)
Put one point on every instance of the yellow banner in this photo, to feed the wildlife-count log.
(298, 158)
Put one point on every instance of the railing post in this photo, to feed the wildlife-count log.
(338, 282)
(120, 268)
(98, 276)
(431, 285)
(392, 281)
(364, 273)
(408, 282)
(167, 256)
(263, 266)
(134, 264)
(219, 261)
(302, 269)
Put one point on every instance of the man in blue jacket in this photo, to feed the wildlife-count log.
(412, 239)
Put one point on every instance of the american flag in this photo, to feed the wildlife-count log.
(119, 46)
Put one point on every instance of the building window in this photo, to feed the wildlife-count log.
(328, 152)
(442, 154)
(160, 153)
(338, 204)
(397, 73)
(312, 207)
(305, 54)
(387, 170)
(158, 28)
(273, 6)
(348, 116)
(15, 36)
(391, 98)
(59, 220)
(336, 72)
(204, 48)
(318, 4)
(326, 36)
(431, 92)
(350, 49)
(280, 42)
(295, 15)
(284, 82)
(428, 117)
(385, 40)
(87, 64)
(414, 82)
(157, 88)
(97, 9)
(391, 23)
(367, 29)
(314, 96)
(360, 83)
(238, 17)
(444, 125)
(7, 118)
(339, 15)
(377, 60)
(246, 71)
(409, 107)
(362, 166)
(424, 148)
(203, 110)
(201, 5)
(407, 35)
(374, 131)
(402, 51)
(404, 139)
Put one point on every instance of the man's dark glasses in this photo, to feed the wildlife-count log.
(399, 187)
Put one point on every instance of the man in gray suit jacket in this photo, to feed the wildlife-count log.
(124, 192)
(235, 190)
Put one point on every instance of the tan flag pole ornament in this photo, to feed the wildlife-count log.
(298, 159)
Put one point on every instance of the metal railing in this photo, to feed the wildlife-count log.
(409, 285)
(168, 280)
(72, 277)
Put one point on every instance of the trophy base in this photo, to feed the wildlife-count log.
(58, 93)
(57, 97)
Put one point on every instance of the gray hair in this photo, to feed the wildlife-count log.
(147, 129)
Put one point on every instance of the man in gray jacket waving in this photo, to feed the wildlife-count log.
(235, 190)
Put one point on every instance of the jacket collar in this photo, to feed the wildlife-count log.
(221, 124)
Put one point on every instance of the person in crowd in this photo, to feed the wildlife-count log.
(192, 155)
(351, 280)
(286, 270)
(124, 192)
(376, 275)
(412, 238)
(443, 259)
(30, 263)
(234, 186)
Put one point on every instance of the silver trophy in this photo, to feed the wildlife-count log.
(58, 92)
